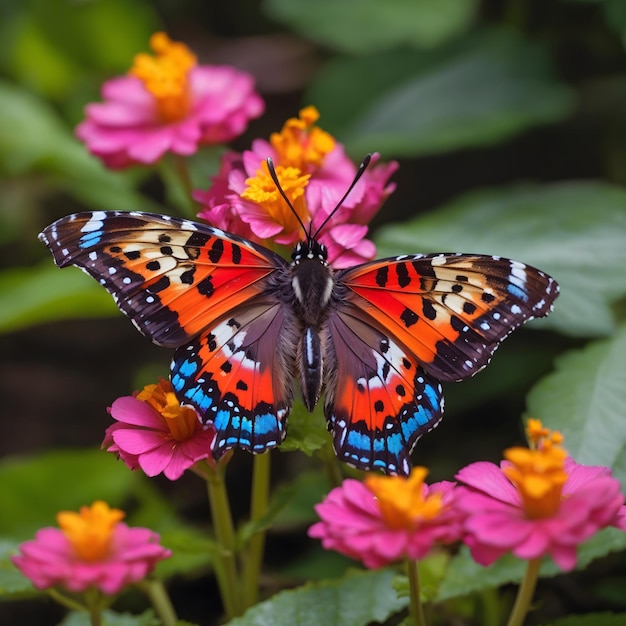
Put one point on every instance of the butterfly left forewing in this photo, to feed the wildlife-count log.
(171, 276)
(379, 401)
(450, 310)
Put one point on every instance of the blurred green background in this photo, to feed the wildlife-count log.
(508, 120)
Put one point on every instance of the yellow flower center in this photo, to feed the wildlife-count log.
(401, 500)
(300, 144)
(90, 530)
(262, 190)
(538, 473)
(165, 75)
(182, 421)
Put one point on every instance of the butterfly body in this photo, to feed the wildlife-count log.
(375, 339)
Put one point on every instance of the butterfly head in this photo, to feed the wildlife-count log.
(310, 249)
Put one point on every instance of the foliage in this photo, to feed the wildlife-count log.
(508, 125)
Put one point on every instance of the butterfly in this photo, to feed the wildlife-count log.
(377, 339)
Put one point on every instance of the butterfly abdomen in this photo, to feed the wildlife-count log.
(312, 285)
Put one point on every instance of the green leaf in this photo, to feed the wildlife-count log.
(354, 600)
(465, 576)
(307, 431)
(585, 399)
(192, 551)
(33, 491)
(34, 138)
(13, 584)
(44, 294)
(306, 490)
(110, 618)
(365, 26)
(591, 619)
(574, 231)
(403, 103)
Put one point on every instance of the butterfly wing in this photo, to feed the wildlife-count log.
(399, 326)
(379, 400)
(237, 373)
(172, 277)
(210, 294)
(449, 310)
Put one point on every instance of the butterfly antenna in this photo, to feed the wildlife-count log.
(364, 164)
(272, 171)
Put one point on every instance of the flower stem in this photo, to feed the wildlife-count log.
(525, 593)
(416, 610)
(95, 603)
(258, 509)
(63, 600)
(331, 465)
(160, 601)
(226, 569)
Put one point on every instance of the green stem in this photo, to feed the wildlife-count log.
(525, 593)
(182, 170)
(331, 465)
(95, 603)
(258, 509)
(416, 610)
(160, 601)
(226, 569)
(63, 600)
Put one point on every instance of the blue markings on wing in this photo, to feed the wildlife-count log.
(91, 239)
(433, 395)
(516, 291)
(188, 368)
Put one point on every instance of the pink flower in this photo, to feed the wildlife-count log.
(158, 434)
(387, 518)
(92, 549)
(538, 502)
(315, 173)
(168, 103)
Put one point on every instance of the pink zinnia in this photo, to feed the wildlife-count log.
(158, 434)
(387, 518)
(168, 103)
(92, 548)
(538, 502)
(314, 173)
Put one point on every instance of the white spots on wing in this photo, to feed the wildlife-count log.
(149, 299)
(95, 222)
(469, 364)
(93, 256)
(515, 309)
(112, 270)
(126, 280)
(485, 326)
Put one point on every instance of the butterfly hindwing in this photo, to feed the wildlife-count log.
(379, 400)
(450, 310)
(171, 276)
(237, 374)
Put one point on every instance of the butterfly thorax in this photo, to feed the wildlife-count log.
(312, 283)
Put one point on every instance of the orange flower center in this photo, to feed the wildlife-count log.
(300, 144)
(165, 75)
(538, 473)
(90, 531)
(181, 420)
(262, 190)
(401, 500)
